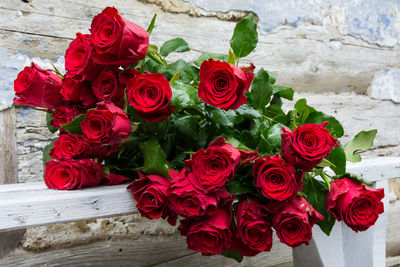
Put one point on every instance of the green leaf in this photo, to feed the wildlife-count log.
(49, 118)
(183, 95)
(261, 90)
(174, 45)
(233, 255)
(74, 127)
(189, 126)
(155, 159)
(272, 78)
(222, 117)
(315, 194)
(206, 56)
(338, 158)
(274, 135)
(245, 36)
(231, 57)
(363, 141)
(187, 74)
(334, 126)
(235, 187)
(151, 65)
(152, 23)
(302, 110)
(46, 152)
(175, 77)
(285, 92)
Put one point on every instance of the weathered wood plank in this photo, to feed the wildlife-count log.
(26, 208)
(8, 147)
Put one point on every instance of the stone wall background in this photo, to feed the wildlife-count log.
(328, 51)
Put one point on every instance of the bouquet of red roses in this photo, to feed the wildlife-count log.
(206, 141)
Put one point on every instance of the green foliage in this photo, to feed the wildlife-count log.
(155, 159)
(206, 56)
(183, 95)
(49, 118)
(261, 90)
(174, 45)
(283, 91)
(46, 152)
(245, 36)
(152, 24)
(338, 158)
(74, 127)
(231, 57)
(233, 255)
(187, 74)
(364, 140)
(315, 191)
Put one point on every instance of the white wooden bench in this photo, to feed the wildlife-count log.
(32, 204)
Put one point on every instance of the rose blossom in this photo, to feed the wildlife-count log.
(274, 178)
(209, 235)
(69, 146)
(357, 204)
(116, 40)
(113, 179)
(73, 174)
(107, 87)
(215, 166)
(293, 220)
(187, 201)
(150, 193)
(105, 128)
(253, 228)
(78, 59)
(37, 87)
(150, 95)
(78, 92)
(64, 115)
(223, 85)
(306, 146)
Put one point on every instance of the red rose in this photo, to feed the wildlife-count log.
(223, 85)
(150, 95)
(208, 235)
(78, 92)
(306, 146)
(105, 128)
(37, 87)
(78, 59)
(274, 178)
(293, 220)
(187, 201)
(253, 229)
(69, 146)
(150, 193)
(116, 40)
(64, 115)
(213, 167)
(107, 87)
(73, 174)
(113, 179)
(357, 204)
(247, 157)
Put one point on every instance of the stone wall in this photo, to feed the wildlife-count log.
(327, 50)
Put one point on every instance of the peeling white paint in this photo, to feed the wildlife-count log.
(386, 85)
(11, 65)
(374, 21)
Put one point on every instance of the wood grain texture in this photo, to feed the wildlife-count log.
(8, 147)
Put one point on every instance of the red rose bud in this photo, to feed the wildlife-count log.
(73, 174)
(293, 220)
(37, 87)
(223, 85)
(247, 157)
(209, 235)
(78, 92)
(108, 88)
(113, 179)
(187, 201)
(150, 95)
(105, 128)
(69, 146)
(215, 166)
(357, 204)
(78, 59)
(274, 178)
(253, 229)
(64, 115)
(116, 40)
(150, 193)
(306, 146)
